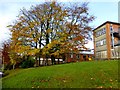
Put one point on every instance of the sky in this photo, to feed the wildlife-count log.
(103, 10)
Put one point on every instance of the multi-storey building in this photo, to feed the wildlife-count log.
(107, 40)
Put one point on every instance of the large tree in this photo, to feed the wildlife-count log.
(50, 30)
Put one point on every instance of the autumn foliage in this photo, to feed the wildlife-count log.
(5, 53)
(50, 30)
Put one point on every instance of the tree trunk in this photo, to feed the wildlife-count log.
(53, 59)
(63, 57)
(39, 60)
(13, 66)
(58, 61)
(47, 41)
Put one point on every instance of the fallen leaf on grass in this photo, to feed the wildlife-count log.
(32, 87)
(44, 80)
(64, 81)
(91, 78)
(111, 80)
(110, 86)
(100, 87)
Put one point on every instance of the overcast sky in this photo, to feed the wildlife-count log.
(103, 10)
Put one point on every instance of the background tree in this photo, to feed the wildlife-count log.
(6, 55)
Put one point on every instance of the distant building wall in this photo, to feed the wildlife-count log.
(78, 57)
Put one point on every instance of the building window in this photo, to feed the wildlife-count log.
(104, 31)
(111, 28)
(98, 55)
(101, 42)
(71, 55)
(97, 44)
(104, 54)
(78, 56)
(104, 41)
(101, 32)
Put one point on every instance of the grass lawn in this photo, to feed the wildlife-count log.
(93, 74)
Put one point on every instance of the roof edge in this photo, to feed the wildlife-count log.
(106, 23)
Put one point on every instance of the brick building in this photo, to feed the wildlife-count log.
(82, 56)
(107, 41)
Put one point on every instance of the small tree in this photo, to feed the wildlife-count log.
(5, 54)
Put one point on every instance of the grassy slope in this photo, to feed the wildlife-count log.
(74, 75)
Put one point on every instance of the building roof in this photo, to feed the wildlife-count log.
(106, 23)
(85, 52)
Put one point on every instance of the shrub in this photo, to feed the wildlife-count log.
(28, 63)
(7, 66)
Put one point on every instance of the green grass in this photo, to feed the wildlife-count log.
(94, 74)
